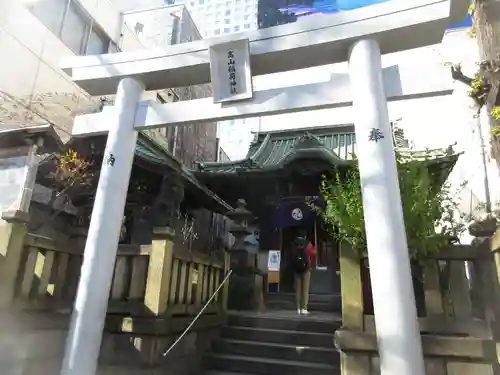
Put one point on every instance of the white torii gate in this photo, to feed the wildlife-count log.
(359, 36)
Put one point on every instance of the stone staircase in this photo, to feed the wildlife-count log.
(275, 343)
(317, 302)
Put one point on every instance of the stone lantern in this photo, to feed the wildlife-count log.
(241, 260)
(245, 289)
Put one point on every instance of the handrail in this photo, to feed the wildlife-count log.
(199, 314)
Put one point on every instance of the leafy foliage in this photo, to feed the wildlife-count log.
(430, 213)
(72, 170)
(343, 214)
(495, 114)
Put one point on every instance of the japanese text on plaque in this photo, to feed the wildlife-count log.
(231, 68)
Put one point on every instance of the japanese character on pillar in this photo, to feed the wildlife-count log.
(375, 135)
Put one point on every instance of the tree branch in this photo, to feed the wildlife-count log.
(456, 74)
(480, 87)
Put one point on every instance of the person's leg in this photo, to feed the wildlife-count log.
(298, 290)
(306, 281)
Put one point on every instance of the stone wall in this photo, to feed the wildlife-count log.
(24, 349)
(149, 305)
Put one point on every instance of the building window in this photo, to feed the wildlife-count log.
(237, 28)
(247, 16)
(72, 24)
(227, 21)
(76, 29)
(227, 30)
(217, 32)
(50, 13)
(175, 30)
(247, 26)
(98, 43)
(228, 12)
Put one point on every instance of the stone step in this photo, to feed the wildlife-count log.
(275, 350)
(313, 306)
(265, 335)
(266, 366)
(313, 297)
(289, 321)
(317, 302)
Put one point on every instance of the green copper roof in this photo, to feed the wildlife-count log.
(153, 151)
(335, 144)
(277, 148)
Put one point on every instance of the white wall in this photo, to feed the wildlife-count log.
(30, 71)
(108, 15)
(33, 89)
(30, 63)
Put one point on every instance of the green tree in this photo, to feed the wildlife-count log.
(429, 210)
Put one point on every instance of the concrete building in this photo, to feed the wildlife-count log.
(217, 17)
(158, 27)
(37, 35)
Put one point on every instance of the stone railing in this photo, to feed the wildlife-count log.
(150, 283)
(458, 315)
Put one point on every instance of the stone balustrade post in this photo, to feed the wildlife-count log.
(12, 236)
(160, 270)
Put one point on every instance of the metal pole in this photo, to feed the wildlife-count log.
(398, 334)
(89, 312)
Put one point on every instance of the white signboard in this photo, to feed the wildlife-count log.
(274, 260)
(230, 71)
(13, 175)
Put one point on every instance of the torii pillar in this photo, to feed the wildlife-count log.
(398, 334)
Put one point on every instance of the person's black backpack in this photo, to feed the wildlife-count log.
(300, 258)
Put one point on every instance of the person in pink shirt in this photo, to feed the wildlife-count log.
(303, 251)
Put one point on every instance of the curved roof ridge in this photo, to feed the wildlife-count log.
(307, 136)
(427, 152)
(261, 148)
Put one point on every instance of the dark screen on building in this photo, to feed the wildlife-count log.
(280, 12)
